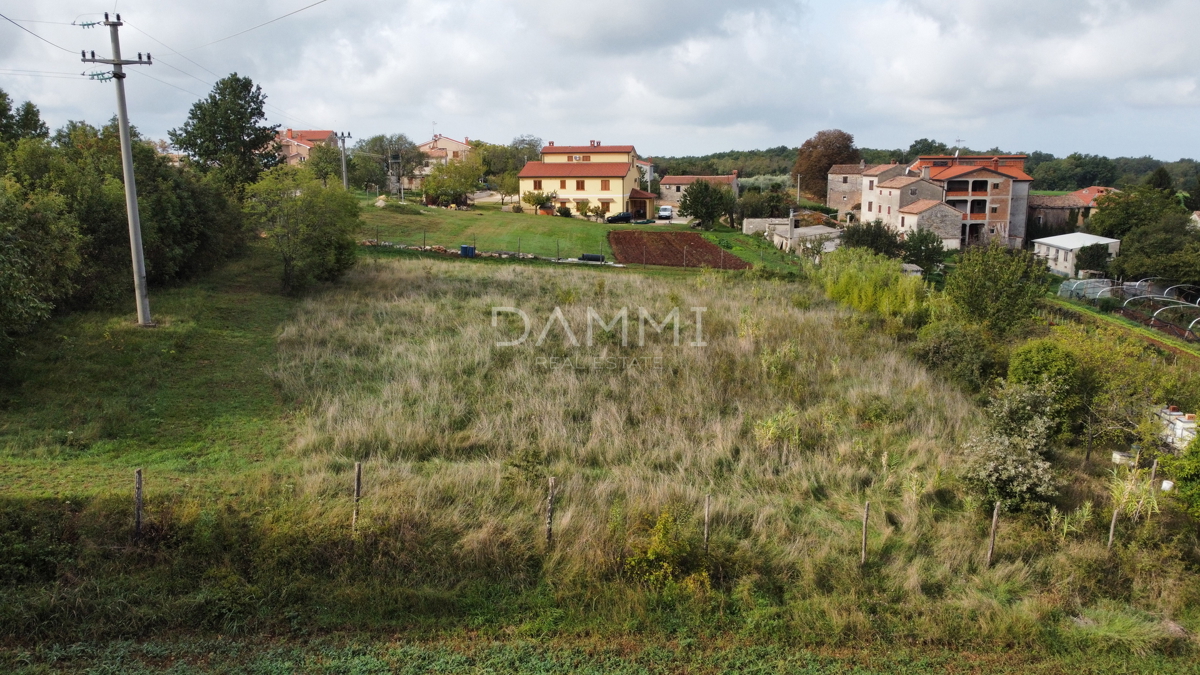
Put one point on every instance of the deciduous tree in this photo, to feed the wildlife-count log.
(818, 154)
(225, 133)
(924, 249)
(997, 287)
(707, 203)
(873, 235)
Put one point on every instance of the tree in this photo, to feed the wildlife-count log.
(225, 134)
(39, 251)
(24, 122)
(1168, 248)
(508, 185)
(924, 249)
(997, 287)
(538, 199)
(1161, 179)
(325, 163)
(1092, 257)
(452, 182)
(873, 235)
(707, 202)
(1120, 212)
(373, 159)
(1047, 361)
(310, 226)
(818, 154)
(926, 146)
(962, 352)
(1185, 470)
(773, 203)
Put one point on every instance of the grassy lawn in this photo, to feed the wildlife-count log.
(1050, 193)
(490, 229)
(93, 396)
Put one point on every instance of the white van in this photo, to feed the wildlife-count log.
(664, 213)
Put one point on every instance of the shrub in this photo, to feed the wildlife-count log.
(997, 287)
(1045, 360)
(563, 210)
(960, 351)
(517, 208)
(874, 236)
(998, 469)
(1185, 470)
(873, 283)
(1026, 414)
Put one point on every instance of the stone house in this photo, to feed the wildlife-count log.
(844, 189)
(891, 195)
(936, 215)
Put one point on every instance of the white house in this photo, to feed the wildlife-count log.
(1060, 251)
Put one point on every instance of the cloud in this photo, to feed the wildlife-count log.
(672, 77)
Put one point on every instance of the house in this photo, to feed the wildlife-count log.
(936, 215)
(603, 175)
(1050, 212)
(991, 191)
(806, 237)
(893, 194)
(673, 187)
(295, 145)
(437, 150)
(1088, 195)
(844, 188)
(1059, 252)
(871, 177)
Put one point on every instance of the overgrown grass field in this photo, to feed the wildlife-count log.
(248, 413)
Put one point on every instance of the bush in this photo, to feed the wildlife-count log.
(309, 225)
(874, 236)
(960, 351)
(873, 283)
(998, 469)
(517, 208)
(1185, 470)
(1046, 361)
(997, 287)
(1026, 414)
(563, 210)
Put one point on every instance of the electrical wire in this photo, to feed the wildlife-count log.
(318, 2)
(171, 49)
(39, 36)
(41, 73)
(144, 74)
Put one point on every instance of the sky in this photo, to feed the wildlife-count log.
(672, 77)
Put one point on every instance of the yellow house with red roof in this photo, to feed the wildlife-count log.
(603, 175)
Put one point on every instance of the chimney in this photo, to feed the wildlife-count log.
(995, 163)
(591, 144)
(925, 172)
(289, 133)
(735, 173)
(862, 163)
(467, 139)
(551, 144)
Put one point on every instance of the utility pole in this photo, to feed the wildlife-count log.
(131, 203)
(341, 137)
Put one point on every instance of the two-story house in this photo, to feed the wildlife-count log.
(672, 188)
(891, 195)
(437, 150)
(991, 191)
(603, 175)
(871, 177)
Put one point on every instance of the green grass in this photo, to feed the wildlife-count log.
(1127, 325)
(92, 396)
(1051, 193)
(490, 229)
(249, 410)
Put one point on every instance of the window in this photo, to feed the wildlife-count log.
(845, 179)
(912, 192)
(889, 210)
(604, 185)
(537, 185)
(587, 158)
(843, 197)
(870, 207)
(871, 185)
(995, 186)
(677, 188)
(303, 158)
(604, 207)
(570, 158)
(455, 154)
(562, 185)
(995, 209)
(901, 221)
(579, 185)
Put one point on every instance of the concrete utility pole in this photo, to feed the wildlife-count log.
(131, 203)
(342, 140)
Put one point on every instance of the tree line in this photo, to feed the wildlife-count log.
(64, 242)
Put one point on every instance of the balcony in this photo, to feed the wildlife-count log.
(957, 193)
(978, 193)
(979, 216)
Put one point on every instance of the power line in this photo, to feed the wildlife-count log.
(171, 49)
(53, 76)
(39, 36)
(57, 23)
(258, 26)
(143, 74)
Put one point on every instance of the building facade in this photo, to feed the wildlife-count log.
(600, 175)
(933, 214)
(1059, 252)
(992, 191)
(437, 151)
(890, 195)
(673, 187)
(844, 188)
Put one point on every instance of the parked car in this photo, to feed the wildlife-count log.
(665, 213)
(622, 217)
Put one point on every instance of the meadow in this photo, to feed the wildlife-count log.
(248, 413)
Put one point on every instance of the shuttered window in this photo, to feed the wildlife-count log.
(537, 185)
(604, 186)
(579, 185)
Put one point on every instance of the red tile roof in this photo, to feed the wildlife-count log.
(584, 149)
(305, 137)
(878, 169)
(1088, 194)
(948, 172)
(1055, 202)
(923, 205)
(688, 180)
(641, 194)
(575, 170)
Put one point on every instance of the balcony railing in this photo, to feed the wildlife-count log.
(978, 216)
(979, 193)
(957, 193)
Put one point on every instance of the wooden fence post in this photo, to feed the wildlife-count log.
(707, 503)
(866, 514)
(137, 505)
(357, 496)
(992, 543)
(550, 515)
(1112, 527)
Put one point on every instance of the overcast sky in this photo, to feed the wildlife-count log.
(673, 77)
